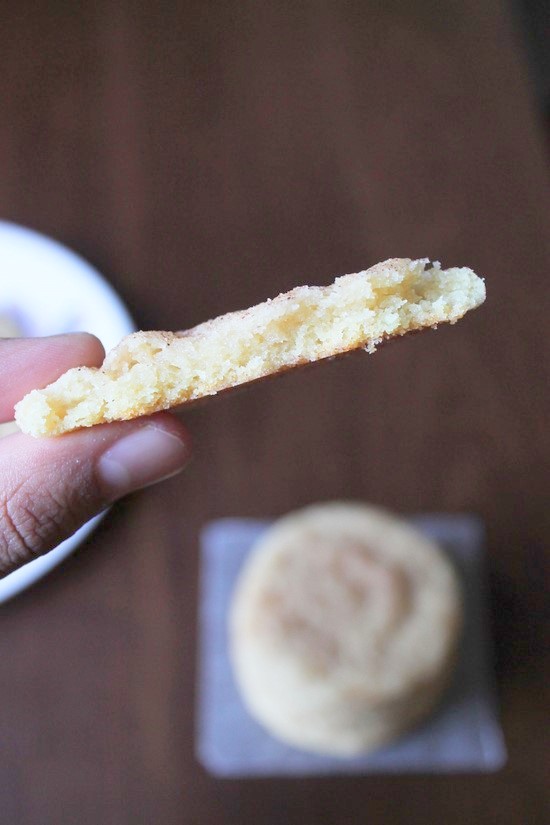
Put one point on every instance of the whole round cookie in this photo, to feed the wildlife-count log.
(343, 628)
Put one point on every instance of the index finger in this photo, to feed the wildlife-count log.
(30, 363)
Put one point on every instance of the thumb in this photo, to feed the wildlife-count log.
(50, 487)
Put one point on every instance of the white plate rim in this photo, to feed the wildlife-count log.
(27, 575)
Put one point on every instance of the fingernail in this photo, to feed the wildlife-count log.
(148, 455)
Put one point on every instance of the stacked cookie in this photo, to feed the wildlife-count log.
(344, 628)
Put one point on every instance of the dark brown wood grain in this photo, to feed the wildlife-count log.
(205, 156)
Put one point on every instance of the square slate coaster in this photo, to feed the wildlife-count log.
(461, 735)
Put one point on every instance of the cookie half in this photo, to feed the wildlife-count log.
(151, 371)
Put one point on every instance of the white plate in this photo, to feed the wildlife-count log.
(46, 289)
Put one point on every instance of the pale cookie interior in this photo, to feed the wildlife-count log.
(150, 371)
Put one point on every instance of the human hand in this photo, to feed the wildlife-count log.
(50, 487)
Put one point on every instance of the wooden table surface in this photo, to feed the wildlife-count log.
(205, 156)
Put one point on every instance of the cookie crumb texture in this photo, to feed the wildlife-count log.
(343, 628)
(151, 371)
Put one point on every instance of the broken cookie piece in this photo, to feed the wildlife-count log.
(151, 371)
